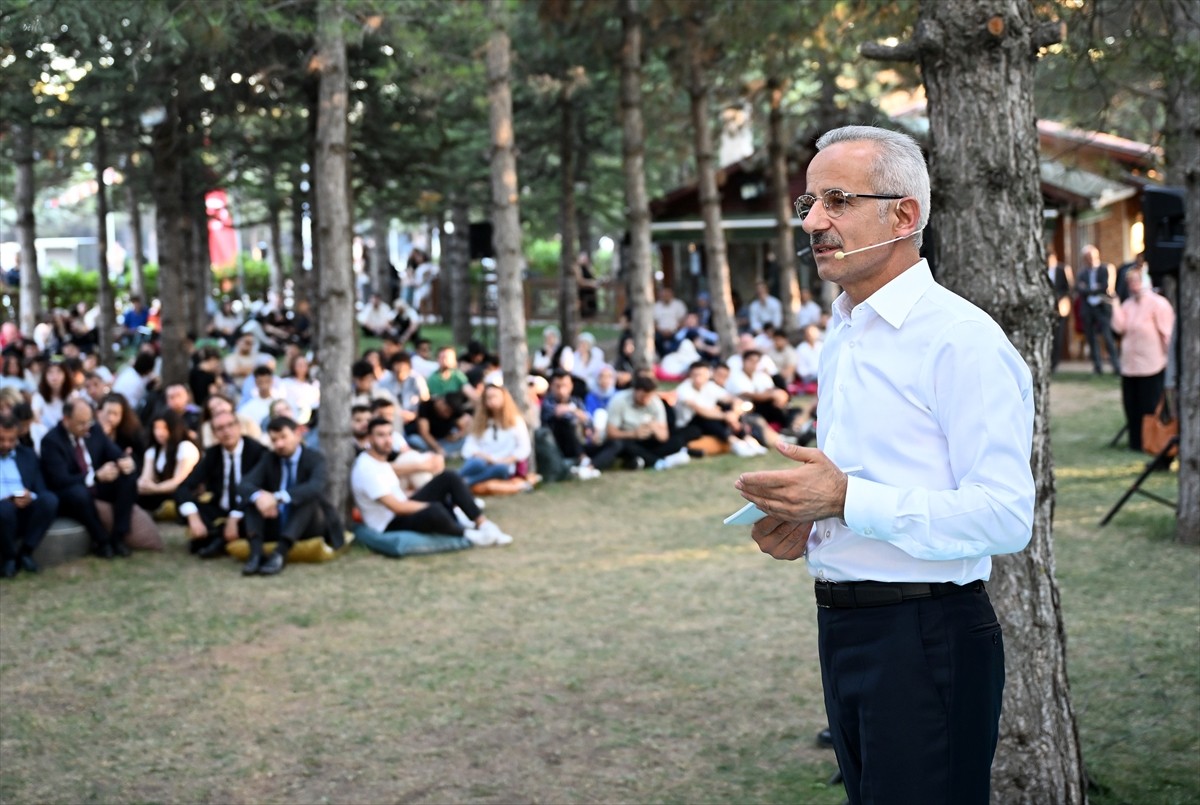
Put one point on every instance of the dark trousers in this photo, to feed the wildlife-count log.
(630, 450)
(214, 522)
(443, 492)
(566, 436)
(913, 692)
(78, 503)
(1140, 396)
(1059, 328)
(21, 530)
(1097, 321)
(305, 518)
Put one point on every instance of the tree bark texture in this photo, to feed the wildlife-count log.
(781, 200)
(171, 224)
(716, 259)
(380, 267)
(104, 322)
(987, 210)
(137, 282)
(568, 288)
(506, 219)
(31, 280)
(456, 267)
(637, 269)
(336, 347)
(1183, 168)
(275, 226)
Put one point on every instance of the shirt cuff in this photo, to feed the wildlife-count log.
(870, 507)
(235, 515)
(283, 497)
(188, 509)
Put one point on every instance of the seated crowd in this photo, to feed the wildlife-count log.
(234, 453)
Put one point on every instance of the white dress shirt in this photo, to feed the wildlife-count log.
(929, 409)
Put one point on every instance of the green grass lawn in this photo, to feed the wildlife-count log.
(627, 648)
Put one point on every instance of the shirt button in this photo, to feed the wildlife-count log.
(827, 533)
(868, 531)
(851, 345)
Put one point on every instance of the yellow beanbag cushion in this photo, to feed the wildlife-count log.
(711, 445)
(311, 550)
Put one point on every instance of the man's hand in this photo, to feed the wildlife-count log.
(267, 505)
(231, 528)
(814, 490)
(108, 472)
(780, 539)
(196, 527)
(125, 463)
(22, 500)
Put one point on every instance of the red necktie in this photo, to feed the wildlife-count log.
(80, 458)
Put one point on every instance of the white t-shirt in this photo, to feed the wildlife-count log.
(669, 315)
(707, 396)
(186, 455)
(371, 479)
(739, 383)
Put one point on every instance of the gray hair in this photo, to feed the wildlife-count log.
(899, 165)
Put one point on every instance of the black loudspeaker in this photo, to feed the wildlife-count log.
(481, 241)
(1163, 214)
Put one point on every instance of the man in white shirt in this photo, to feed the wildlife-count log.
(810, 310)
(375, 318)
(921, 474)
(669, 314)
(709, 410)
(764, 309)
(430, 510)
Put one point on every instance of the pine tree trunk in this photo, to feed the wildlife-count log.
(380, 268)
(31, 279)
(337, 346)
(1183, 168)
(171, 224)
(200, 278)
(715, 254)
(456, 265)
(137, 283)
(506, 219)
(637, 269)
(977, 59)
(781, 198)
(104, 322)
(297, 209)
(568, 288)
(275, 226)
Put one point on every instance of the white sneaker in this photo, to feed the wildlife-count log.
(588, 473)
(481, 503)
(677, 459)
(478, 538)
(503, 539)
(742, 448)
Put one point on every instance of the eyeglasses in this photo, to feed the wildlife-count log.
(834, 200)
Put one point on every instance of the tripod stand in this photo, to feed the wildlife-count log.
(1162, 459)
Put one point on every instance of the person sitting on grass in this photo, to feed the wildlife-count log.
(448, 378)
(285, 500)
(498, 439)
(168, 461)
(638, 431)
(441, 425)
(703, 406)
(208, 498)
(566, 416)
(27, 506)
(430, 510)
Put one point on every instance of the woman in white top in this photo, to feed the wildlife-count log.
(589, 360)
(498, 440)
(300, 389)
(553, 355)
(169, 460)
(53, 390)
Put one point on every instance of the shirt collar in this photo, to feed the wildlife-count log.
(895, 300)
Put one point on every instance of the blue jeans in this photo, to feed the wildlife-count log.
(475, 470)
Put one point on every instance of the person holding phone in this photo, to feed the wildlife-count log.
(27, 507)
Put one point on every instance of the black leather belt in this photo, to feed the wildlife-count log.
(858, 594)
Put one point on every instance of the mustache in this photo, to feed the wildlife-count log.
(823, 239)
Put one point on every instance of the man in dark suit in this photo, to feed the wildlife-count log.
(82, 465)
(208, 498)
(1093, 283)
(284, 499)
(27, 507)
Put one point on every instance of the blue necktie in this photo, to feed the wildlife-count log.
(287, 486)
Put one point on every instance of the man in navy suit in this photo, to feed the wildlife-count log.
(216, 516)
(27, 507)
(284, 499)
(82, 465)
(1092, 283)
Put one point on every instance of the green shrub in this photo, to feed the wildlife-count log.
(65, 287)
(543, 256)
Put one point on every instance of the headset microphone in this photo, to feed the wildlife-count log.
(843, 255)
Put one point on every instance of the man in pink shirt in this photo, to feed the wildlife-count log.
(1144, 321)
